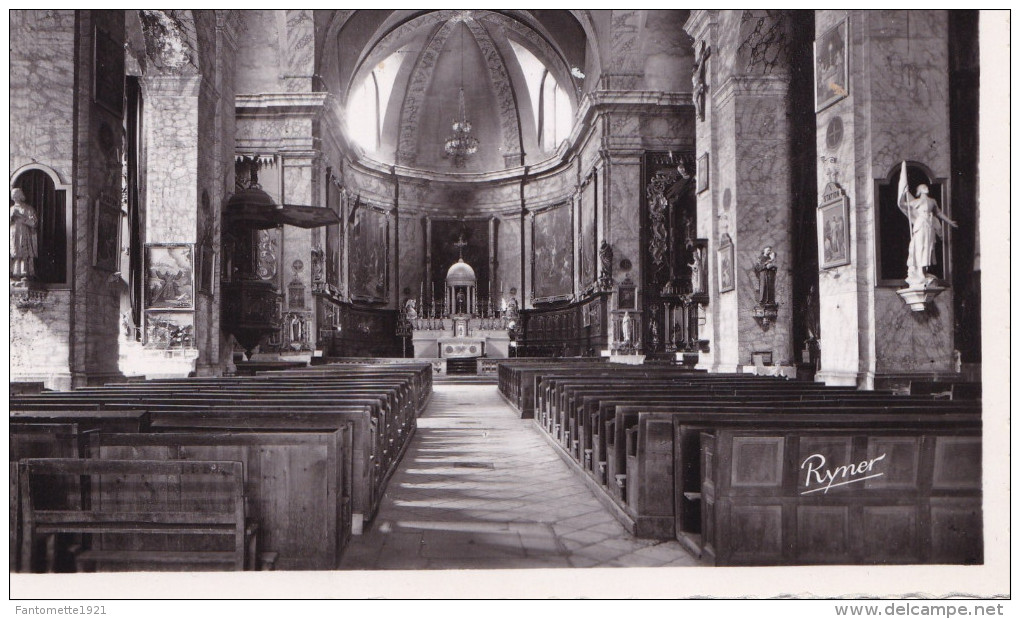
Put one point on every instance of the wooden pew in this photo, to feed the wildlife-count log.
(640, 452)
(918, 501)
(179, 506)
(298, 484)
(380, 440)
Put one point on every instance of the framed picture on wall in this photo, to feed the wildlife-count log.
(106, 237)
(727, 280)
(627, 299)
(833, 229)
(206, 269)
(832, 75)
(169, 276)
(702, 172)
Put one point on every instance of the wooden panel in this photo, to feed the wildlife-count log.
(957, 462)
(757, 461)
(292, 494)
(819, 454)
(956, 531)
(899, 465)
(889, 534)
(755, 533)
(823, 533)
(708, 493)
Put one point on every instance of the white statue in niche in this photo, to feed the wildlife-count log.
(697, 266)
(627, 327)
(24, 240)
(926, 221)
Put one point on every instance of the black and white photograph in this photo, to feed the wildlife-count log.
(509, 303)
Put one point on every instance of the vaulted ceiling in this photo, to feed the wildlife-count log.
(416, 62)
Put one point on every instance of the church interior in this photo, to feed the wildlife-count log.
(433, 289)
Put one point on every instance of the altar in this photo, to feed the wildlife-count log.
(456, 328)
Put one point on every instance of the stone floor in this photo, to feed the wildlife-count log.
(480, 488)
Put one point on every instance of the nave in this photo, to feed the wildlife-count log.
(481, 488)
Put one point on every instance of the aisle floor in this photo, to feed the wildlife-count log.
(480, 488)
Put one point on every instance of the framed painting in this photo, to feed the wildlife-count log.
(833, 229)
(369, 258)
(206, 269)
(627, 299)
(169, 277)
(832, 73)
(168, 329)
(727, 280)
(106, 237)
(552, 254)
(588, 252)
(702, 173)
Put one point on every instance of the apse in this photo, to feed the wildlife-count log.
(510, 82)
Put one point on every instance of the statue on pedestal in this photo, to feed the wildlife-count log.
(697, 268)
(410, 309)
(605, 266)
(926, 221)
(765, 268)
(24, 238)
(627, 327)
(766, 310)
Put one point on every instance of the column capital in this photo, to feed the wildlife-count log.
(171, 85)
(751, 85)
(701, 24)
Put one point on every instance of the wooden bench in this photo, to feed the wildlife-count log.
(298, 484)
(629, 420)
(197, 501)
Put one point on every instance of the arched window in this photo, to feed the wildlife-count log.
(368, 102)
(50, 202)
(363, 114)
(554, 113)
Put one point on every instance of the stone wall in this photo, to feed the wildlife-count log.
(42, 100)
(896, 109)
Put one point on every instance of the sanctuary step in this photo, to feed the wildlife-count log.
(462, 366)
(466, 379)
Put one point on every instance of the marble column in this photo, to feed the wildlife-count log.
(895, 107)
(745, 134)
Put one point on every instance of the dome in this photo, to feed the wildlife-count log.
(512, 73)
(460, 273)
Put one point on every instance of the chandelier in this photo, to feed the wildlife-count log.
(461, 144)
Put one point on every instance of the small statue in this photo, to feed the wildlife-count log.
(765, 267)
(410, 309)
(926, 221)
(697, 269)
(24, 239)
(699, 80)
(627, 327)
(512, 309)
(606, 265)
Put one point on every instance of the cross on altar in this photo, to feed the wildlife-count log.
(460, 245)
